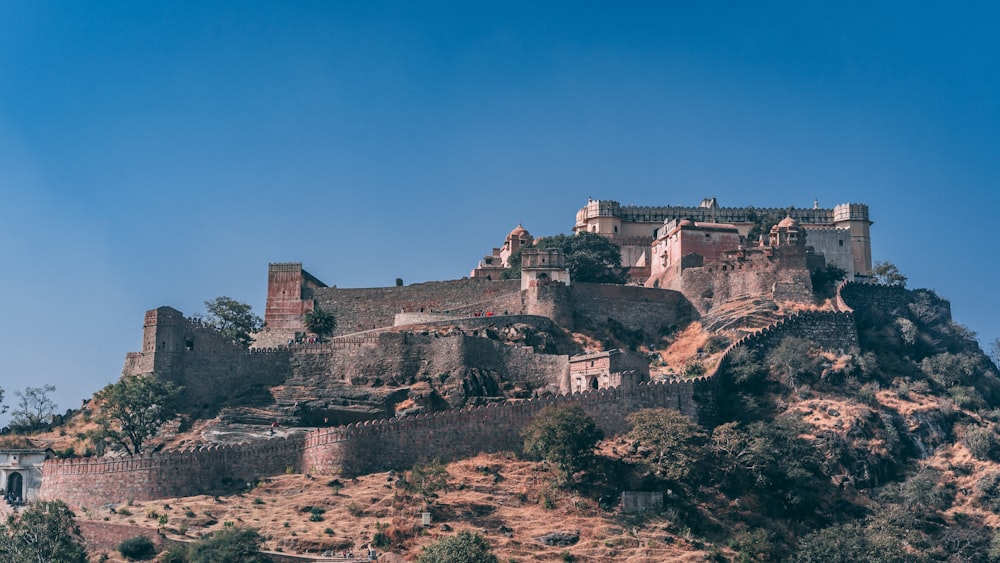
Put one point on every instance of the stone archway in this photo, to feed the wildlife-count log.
(15, 485)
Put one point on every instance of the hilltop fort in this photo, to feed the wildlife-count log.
(450, 368)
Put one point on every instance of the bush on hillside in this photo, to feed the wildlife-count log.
(139, 548)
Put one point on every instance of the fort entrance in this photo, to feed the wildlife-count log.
(15, 485)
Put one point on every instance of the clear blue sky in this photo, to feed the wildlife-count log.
(162, 153)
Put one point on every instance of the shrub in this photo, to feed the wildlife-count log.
(44, 531)
(988, 492)
(967, 397)
(694, 369)
(428, 478)
(139, 548)
(229, 545)
(463, 547)
(716, 343)
(564, 436)
(175, 555)
(866, 394)
(981, 443)
(677, 443)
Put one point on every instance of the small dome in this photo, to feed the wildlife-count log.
(686, 223)
(788, 222)
(519, 231)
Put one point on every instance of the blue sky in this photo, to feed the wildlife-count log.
(162, 153)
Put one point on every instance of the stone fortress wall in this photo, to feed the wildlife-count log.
(91, 482)
(214, 372)
(370, 308)
(397, 443)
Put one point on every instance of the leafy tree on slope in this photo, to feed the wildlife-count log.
(232, 318)
(44, 533)
(564, 436)
(131, 410)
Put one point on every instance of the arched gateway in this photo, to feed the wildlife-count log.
(15, 486)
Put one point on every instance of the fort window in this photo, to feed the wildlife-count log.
(616, 228)
(841, 241)
(189, 344)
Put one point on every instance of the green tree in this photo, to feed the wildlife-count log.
(44, 533)
(3, 407)
(773, 460)
(589, 257)
(762, 223)
(321, 322)
(564, 436)
(825, 280)
(131, 410)
(463, 547)
(428, 478)
(228, 545)
(678, 443)
(233, 319)
(34, 409)
(887, 273)
(793, 360)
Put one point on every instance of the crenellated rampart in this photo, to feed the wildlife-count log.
(857, 296)
(353, 449)
(831, 330)
(368, 308)
(212, 469)
(396, 443)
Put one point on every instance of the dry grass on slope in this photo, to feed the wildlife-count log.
(509, 501)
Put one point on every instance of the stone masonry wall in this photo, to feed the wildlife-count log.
(863, 296)
(208, 470)
(212, 370)
(637, 308)
(353, 449)
(367, 308)
(400, 442)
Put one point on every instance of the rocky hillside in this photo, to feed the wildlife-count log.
(886, 452)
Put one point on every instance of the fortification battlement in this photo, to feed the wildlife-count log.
(493, 411)
(650, 214)
(178, 458)
(396, 442)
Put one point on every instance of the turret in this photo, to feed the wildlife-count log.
(854, 217)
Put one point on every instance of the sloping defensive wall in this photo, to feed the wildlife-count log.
(380, 445)
(397, 443)
(213, 469)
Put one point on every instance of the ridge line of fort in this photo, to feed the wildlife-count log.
(395, 443)
(468, 336)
